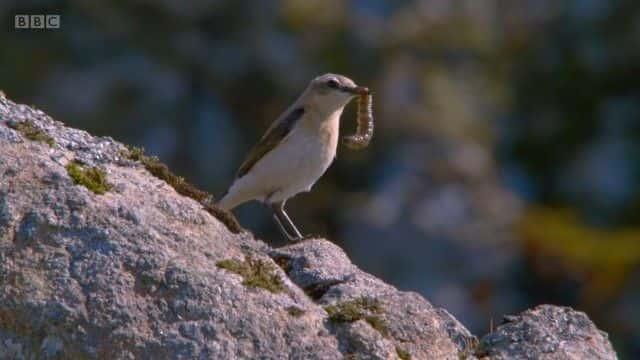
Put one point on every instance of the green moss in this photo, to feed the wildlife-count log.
(377, 323)
(402, 353)
(182, 187)
(31, 132)
(295, 311)
(353, 310)
(256, 273)
(363, 308)
(134, 153)
(162, 172)
(92, 178)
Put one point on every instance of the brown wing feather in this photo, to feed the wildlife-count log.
(270, 140)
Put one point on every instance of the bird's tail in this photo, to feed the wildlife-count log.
(225, 202)
(229, 201)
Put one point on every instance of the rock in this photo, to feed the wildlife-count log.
(144, 272)
(404, 319)
(547, 332)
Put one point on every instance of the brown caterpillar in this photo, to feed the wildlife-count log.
(364, 131)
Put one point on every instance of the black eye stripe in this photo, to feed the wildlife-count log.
(333, 84)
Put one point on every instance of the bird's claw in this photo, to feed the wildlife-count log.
(308, 237)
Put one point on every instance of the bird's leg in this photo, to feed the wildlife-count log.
(284, 222)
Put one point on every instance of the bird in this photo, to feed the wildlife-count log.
(295, 151)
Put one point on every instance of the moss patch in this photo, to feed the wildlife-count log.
(295, 311)
(183, 187)
(32, 132)
(256, 273)
(161, 171)
(402, 353)
(363, 308)
(94, 179)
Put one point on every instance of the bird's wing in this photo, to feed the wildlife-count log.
(274, 136)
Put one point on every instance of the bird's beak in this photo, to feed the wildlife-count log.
(356, 90)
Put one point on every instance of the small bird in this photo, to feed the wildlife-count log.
(295, 151)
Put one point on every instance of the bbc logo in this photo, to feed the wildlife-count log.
(37, 22)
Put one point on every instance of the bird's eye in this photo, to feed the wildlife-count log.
(333, 83)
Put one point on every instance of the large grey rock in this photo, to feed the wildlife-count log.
(547, 332)
(144, 272)
(325, 273)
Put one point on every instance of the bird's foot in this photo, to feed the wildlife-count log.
(303, 238)
(309, 237)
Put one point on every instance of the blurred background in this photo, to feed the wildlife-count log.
(505, 167)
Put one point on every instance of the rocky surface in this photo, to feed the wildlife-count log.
(547, 332)
(144, 272)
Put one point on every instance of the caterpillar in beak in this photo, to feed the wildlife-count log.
(364, 131)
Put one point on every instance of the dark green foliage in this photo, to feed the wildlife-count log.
(256, 273)
(93, 178)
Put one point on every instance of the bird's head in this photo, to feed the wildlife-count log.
(331, 92)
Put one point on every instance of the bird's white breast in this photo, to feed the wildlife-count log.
(297, 162)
